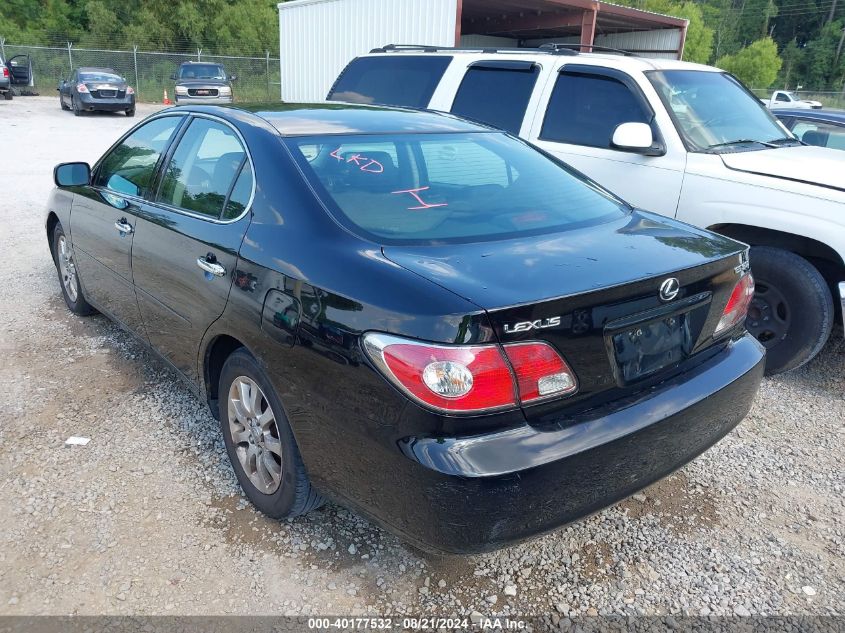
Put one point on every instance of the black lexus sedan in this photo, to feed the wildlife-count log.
(426, 320)
(96, 89)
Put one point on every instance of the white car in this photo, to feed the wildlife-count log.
(685, 140)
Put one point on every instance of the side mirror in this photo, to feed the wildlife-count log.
(233, 77)
(174, 77)
(72, 174)
(633, 137)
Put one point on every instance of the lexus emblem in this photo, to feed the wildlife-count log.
(669, 289)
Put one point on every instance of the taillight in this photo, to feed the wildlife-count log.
(130, 90)
(81, 88)
(465, 378)
(540, 371)
(470, 378)
(5, 71)
(738, 303)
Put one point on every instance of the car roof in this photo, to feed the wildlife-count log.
(835, 116)
(630, 63)
(320, 119)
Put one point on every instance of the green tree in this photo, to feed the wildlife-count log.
(757, 64)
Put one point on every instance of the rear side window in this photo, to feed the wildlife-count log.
(401, 80)
(129, 168)
(424, 188)
(200, 175)
(586, 109)
(496, 93)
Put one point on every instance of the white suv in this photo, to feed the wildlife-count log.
(685, 140)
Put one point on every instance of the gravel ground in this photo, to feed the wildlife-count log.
(148, 519)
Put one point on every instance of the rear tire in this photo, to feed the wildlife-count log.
(68, 277)
(260, 443)
(8, 96)
(130, 113)
(792, 310)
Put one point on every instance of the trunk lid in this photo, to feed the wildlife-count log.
(594, 293)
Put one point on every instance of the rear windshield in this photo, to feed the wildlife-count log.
(202, 71)
(424, 188)
(402, 80)
(111, 77)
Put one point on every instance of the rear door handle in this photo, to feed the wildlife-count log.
(123, 226)
(211, 267)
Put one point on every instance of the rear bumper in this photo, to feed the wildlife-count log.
(87, 102)
(472, 494)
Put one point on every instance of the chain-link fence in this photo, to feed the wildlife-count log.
(149, 72)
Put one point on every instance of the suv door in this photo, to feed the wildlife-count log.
(583, 106)
(188, 238)
(104, 217)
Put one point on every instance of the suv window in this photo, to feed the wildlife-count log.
(402, 80)
(586, 109)
(202, 171)
(496, 94)
(129, 168)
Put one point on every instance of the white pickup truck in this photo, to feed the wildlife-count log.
(786, 99)
(685, 140)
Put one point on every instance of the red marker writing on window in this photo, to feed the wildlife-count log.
(369, 165)
(423, 203)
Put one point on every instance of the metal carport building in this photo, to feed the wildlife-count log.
(317, 38)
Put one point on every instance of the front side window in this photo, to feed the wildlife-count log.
(713, 110)
(200, 175)
(497, 94)
(401, 80)
(820, 134)
(424, 188)
(130, 167)
(586, 109)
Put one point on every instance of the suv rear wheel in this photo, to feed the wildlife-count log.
(792, 310)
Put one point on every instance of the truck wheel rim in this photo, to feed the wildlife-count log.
(769, 316)
(67, 268)
(255, 434)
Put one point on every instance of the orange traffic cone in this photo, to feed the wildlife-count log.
(166, 100)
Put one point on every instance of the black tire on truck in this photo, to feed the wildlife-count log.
(792, 310)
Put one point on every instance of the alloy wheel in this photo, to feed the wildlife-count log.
(255, 435)
(67, 268)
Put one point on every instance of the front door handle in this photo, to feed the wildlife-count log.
(123, 226)
(211, 266)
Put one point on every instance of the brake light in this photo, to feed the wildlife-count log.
(461, 379)
(130, 90)
(5, 71)
(737, 306)
(540, 371)
(81, 88)
(471, 378)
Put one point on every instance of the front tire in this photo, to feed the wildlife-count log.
(75, 106)
(63, 104)
(260, 443)
(68, 276)
(792, 310)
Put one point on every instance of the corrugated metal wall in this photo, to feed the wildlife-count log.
(662, 39)
(481, 41)
(317, 38)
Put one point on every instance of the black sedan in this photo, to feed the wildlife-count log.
(823, 128)
(96, 89)
(421, 318)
